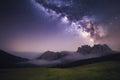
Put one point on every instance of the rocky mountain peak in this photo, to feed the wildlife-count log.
(86, 49)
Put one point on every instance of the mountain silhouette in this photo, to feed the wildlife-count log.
(49, 55)
(97, 49)
(7, 60)
(84, 55)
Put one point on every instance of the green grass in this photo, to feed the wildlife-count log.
(98, 71)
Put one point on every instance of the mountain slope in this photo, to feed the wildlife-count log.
(7, 59)
(49, 55)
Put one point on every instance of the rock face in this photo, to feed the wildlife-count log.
(95, 49)
(100, 49)
(49, 55)
(85, 49)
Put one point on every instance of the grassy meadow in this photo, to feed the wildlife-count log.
(109, 70)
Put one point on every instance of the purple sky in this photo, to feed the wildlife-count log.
(29, 26)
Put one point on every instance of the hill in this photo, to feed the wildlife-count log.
(49, 55)
(7, 59)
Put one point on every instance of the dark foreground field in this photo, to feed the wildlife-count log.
(109, 70)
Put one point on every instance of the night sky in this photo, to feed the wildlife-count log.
(58, 25)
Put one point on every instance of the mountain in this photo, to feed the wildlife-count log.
(96, 49)
(49, 55)
(84, 55)
(7, 60)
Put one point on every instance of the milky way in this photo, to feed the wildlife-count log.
(85, 26)
(58, 25)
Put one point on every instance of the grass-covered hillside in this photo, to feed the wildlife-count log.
(109, 70)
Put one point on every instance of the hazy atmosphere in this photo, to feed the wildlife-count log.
(34, 26)
(59, 39)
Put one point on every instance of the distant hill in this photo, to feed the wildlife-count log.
(7, 60)
(49, 55)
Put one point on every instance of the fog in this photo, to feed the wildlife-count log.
(71, 57)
